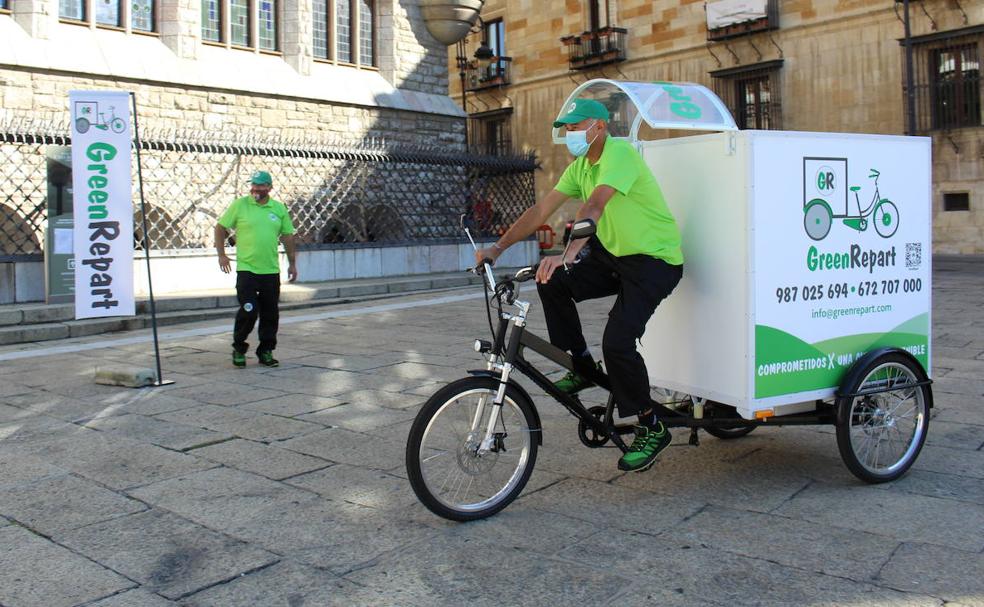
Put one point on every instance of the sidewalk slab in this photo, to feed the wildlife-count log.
(36, 572)
(61, 503)
(166, 553)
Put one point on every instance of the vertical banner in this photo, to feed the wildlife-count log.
(103, 236)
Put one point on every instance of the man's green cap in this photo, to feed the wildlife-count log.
(582, 109)
(261, 178)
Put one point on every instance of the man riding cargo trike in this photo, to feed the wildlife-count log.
(769, 325)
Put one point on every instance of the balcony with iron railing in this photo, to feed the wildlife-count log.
(482, 75)
(727, 19)
(593, 49)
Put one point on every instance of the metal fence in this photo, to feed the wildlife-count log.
(338, 194)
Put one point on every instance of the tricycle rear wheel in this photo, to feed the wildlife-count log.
(883, 416)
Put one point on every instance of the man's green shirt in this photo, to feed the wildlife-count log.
(258, 229)
(636, 220)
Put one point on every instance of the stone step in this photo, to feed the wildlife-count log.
(25, 323)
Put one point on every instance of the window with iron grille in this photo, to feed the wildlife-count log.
(752, 94)
(946, 79)
(492, 132)
(354, 31)
(133, 15)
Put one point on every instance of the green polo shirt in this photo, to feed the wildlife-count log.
(258, 229)
(636, 220)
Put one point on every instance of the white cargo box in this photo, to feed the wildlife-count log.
(802, 250)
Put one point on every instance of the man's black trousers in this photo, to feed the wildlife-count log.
(259, 296)
(640, 282)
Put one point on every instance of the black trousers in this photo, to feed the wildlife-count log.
(259, 296)
(641, 282)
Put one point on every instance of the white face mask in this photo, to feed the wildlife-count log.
(577, 141)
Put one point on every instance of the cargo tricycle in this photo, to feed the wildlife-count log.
(772, 324)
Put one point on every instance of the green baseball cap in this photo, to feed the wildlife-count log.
(261, 178)
(582, 109)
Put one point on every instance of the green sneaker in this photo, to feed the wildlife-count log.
(648, 443)
(572, 383)
(267, 359)
(238, 359)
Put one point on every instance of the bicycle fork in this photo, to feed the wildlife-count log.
(492, 441)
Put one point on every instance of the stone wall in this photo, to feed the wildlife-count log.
(417, 60)
(842, 72)
(44, 95)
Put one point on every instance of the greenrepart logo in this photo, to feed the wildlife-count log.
(854, 258)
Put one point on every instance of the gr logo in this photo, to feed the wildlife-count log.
(826, 180)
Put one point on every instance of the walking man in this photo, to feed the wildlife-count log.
(635, 255)
(260, 223)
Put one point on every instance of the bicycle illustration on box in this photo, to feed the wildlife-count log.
(824, 181)
(87, 115)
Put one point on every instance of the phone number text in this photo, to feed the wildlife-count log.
(864, 288)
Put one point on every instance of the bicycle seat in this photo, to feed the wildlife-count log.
(855, 188)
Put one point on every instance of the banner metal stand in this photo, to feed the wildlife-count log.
(160, 381)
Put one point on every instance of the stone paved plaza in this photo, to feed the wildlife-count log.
(287, 486)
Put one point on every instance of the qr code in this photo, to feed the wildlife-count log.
(913, 255)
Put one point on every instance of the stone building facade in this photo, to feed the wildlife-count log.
(814, 65)
(189, 77)
(344, 101)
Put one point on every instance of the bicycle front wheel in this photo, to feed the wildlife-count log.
(450, 470)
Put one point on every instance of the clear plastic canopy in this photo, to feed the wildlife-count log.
(662, 105)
